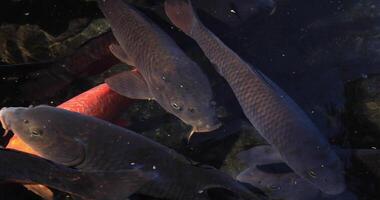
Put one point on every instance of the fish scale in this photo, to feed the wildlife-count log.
(138, 49)
(110, 148)
(186, 92)
(270, 110)
(94, 159)
(159, 188)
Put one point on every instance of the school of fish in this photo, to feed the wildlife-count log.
(78, 147)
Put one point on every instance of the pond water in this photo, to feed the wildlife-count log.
(324, 54)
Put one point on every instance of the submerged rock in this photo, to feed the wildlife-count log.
(30, 43)
(26, 43)
(363, 112)
(249, 137)
(64, 46)
(370, 105)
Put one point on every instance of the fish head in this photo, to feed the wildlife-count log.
(35, 127)
(200, 114)
(187, 94)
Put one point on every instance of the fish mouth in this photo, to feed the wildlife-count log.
(203, 129)
(4, 122)
(207, 127)
(7, 115)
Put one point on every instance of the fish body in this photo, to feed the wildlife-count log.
(288, 186)
(270, 110)
(267, 172)
(280, 183)
(167, 75)
(100, 102)
(25, 168)
(91, 144)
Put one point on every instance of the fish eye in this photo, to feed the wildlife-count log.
(176, 106)
(36, 132)
(192, 110)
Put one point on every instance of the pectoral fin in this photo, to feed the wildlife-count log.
(120, 54)
(129, 84)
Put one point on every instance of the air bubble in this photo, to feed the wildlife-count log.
(312, 174)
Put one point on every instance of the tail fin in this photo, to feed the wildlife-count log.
(181, 14)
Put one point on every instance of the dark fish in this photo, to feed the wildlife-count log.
(25, 168)
(167, 75)
(286, 185)
(311, 51)
(267, 172)
(271, 111)
(90, 144)
(265, 154)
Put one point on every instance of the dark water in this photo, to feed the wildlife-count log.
(324, 53)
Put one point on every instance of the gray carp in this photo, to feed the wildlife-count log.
(267, 172)
(90, 144)
(166, 74)
(270, 110)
